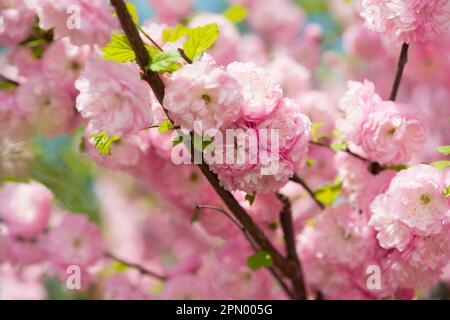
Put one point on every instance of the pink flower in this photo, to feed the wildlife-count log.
(415, 198)
(355, 104)
(392, 133)
(224, 49)
(75, 241)
(293, 129)
(113, 97)
(16, 21)
(203, 92)
(25, 208)
(47, 105)
(293, 77)
(252, 49)
(171, 11)
(83, 21)
(363, 43)
(64, 62)
(277, 20)
(261, 95)
(407, 20)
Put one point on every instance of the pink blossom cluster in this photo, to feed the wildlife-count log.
(31, 237)
(386, 131)
(407, 20)
(412, 219)
(83, 21)
(16, 21)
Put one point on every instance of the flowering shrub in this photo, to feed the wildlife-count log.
(243, 154)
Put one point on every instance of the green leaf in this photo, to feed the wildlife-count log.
(250, 198)
(236, 13)
(175, 33)
(200, 39)
(261, 259)
(440, 165)
(315, 128)
(165, 126)
(103, 141)
(165, 62)
(338, 146)
(445, 150)
(329, 193)
(447, 191)
(119, 49)
(133, 12)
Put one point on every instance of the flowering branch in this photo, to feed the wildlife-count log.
(403, 59)
(141, 269)
(305, 186)
(289, 239)
(286, 267)
(347, 150)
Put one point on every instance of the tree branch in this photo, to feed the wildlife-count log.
(305, 186)
(289, 240)
(403, 59)
(136, 266)
(142, 57)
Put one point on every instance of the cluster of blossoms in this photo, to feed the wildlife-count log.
(385, 131)
(407, 20)
(271, 103)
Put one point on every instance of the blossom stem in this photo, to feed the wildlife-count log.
(153, 79)
(274, 273)
(305, 186)
(141, 269)
(347, 150)
(149, 38)
(403, 59)
(289, 240)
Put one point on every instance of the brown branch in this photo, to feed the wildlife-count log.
(347, 150)
(142, 57)
(289, 240)
(141, 269)
(403, 59)
(253, 245)
(305, 186)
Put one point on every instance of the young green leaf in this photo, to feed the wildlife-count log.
(165, 126)
(165, 62)
(440, 165)
(103, 141)
(447, 191)
(236, 13)
(250, 198)
(119, 49)
(338, 146)
(133, 12)
(329, 193)
(445, 150)
(261, 259)
(200, 39)
(173, 34)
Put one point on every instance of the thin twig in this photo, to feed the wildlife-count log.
(149, 38)
(184, 56)
(403, 59)
(289, 240)
(141, 269)
(253, 245)
(305, 186)
(347, 150)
